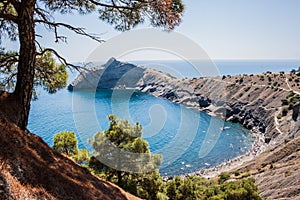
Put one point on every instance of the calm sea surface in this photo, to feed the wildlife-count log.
(188, 140)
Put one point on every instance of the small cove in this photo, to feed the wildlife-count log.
(188, 140)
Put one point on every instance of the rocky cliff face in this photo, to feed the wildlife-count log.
(116, 75)
(266, 103)
(253, 105)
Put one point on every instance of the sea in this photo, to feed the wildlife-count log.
(187, 139)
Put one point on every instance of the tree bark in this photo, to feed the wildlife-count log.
(119, 173)
(27, 53)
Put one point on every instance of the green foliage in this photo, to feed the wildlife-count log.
(285, 111)
(284, 102)
(200, 188)
(66, 142)
(262, 78)
(237, 173)
(279, 116)
(224, 176)
(48, 74)
(269, 79)
(151, 185)
(117, 145)
(83, 156)
(246, 89)
(241, 80)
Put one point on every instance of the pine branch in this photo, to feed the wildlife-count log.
(77, 30)
(9, 17)
(63, 61)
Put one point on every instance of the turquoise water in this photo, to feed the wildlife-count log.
(189, 140)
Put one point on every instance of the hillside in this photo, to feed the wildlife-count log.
(30, 169)
(267, 104)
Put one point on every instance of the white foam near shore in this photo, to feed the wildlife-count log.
(257, 148)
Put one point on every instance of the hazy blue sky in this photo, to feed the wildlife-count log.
(226, 29)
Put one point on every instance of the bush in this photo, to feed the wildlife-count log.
(284, 102)
(284, 111)
(224, 176)
(83, 156)
(241, 80)
(262, 78)
(269, 79)
(66, 142)
(237, 173)
(246, 89)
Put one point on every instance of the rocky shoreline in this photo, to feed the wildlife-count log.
(237, 99)
(258, 147)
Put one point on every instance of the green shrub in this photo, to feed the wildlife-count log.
(284, 102)
(241, 80)
(285, 111)
(269, 79)
(224, 176)
(237, 173)
(262, 78)
(66, 142)
(246, 89)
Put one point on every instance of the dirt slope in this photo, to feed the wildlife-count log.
(30, 169)
(277, 171)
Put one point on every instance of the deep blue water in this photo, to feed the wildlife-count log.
(188, 140)
(223, 67)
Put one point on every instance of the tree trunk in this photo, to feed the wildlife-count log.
(25, 76)
(119, 173)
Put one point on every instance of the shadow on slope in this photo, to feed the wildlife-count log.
(30, 169)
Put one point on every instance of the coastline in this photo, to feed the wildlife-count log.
(246, 99)
(258, 147)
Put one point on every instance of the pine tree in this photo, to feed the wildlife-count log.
(18, 20)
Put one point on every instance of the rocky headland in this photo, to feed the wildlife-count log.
(267, 104)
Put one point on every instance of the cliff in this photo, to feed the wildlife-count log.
(30, 169)
(255, 101)
(267, 104)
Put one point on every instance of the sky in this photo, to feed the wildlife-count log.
(224, 29)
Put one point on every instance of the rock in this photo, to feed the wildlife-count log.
(224, 111)
(170, 95)
(204, 102)
(267, 140)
